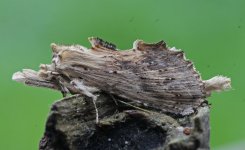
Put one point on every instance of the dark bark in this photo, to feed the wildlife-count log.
(71, 126)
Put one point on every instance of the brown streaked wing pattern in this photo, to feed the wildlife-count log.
(150, 73)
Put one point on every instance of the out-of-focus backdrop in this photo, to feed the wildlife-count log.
(211, 32)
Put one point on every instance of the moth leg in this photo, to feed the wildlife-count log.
(88, 91)
(64, 91)
(96, 109)
(113, 98)
(128, 104)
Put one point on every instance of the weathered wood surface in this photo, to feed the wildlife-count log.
(71, 126)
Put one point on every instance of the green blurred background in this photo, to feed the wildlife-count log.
(211, 32)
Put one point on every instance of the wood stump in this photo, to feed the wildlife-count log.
(71, 126)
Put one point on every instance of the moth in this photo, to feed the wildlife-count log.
(152, 74)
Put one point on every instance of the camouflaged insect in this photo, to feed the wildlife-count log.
(153, 75)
